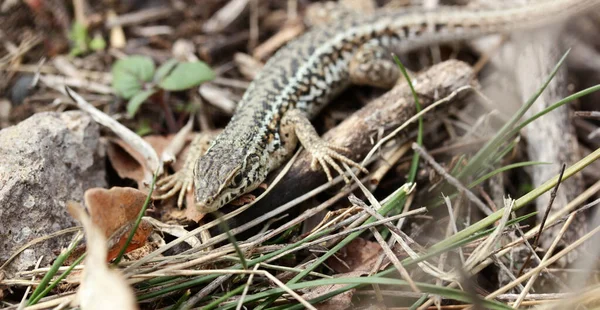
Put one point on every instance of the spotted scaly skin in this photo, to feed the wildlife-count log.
(302, 77)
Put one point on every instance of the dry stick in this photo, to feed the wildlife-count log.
(38, 240)
(555, 218)
(212, 256)
(546, 256)
(245, 291)
(592, 190)
(192, 301)
(590, 114)
(254, 26)
(24, 299)
(450, 228)
(396, 233)
(547, 263)
(452, 180)
(388, 163)
(328, 222)
(548, 208)
(347, 232)
(139, 17)
(391, 241)
(390, 254)
(49, 302)
(535, 256)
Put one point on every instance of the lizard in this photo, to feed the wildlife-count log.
(303, 76)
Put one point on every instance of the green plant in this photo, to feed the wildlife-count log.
(81, 41)
(135, 78)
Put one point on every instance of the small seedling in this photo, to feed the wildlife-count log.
(81, 42)
(135, 78)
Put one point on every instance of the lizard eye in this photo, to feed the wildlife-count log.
(237, 180)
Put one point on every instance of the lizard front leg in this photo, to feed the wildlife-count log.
(296, 126)
(183, 180)
(373, 66)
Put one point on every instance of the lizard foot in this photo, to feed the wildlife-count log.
(182, 181)
(325, 154)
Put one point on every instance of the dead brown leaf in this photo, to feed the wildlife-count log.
(354, 260)
(358, 255)
(101, 287)
(114, 212)
(128, 163)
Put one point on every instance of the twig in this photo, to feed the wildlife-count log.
(23, 302)
(547, 263)
(225, 16)
(246, 287)
(546, 256)
(386, 249)
(139, 17)
(207, 289)
(548, 208)
(588, 114)
(452, 180)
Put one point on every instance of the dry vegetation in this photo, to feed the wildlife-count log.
(445, 219)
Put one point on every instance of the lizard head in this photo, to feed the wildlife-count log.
(221, 176)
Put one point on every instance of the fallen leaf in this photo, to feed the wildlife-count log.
(101, 287)
(118, 239)
(128, 163)
(114, 211)
(358, 255)
(354, 260)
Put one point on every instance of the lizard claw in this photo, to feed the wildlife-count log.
(182, 182)
(325, 155)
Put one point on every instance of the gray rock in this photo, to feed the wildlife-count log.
(45, 161)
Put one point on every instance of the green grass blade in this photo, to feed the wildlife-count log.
(425, 287)
(519, 203)
(50, 274)
(480, 157)
(412, 174)
(505, 168)
(138, 220)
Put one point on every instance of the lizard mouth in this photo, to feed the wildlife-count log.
(207, 205)
(206, 208)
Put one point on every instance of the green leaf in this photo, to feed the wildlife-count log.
(130, 73)
(187, 75)
(136, 101)
(165, 69)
